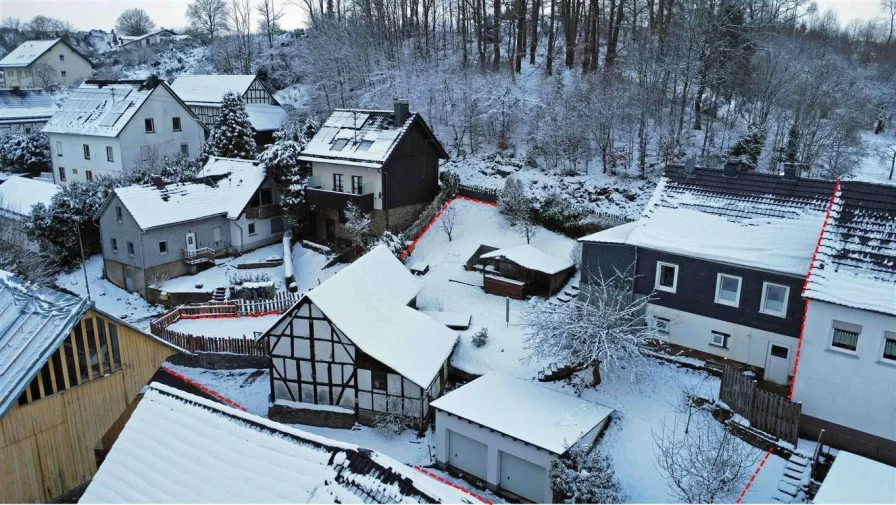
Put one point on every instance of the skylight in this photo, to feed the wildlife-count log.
(339, 144)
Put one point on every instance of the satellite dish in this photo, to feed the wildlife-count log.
(690, 164)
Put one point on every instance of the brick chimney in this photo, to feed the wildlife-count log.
(401, 112)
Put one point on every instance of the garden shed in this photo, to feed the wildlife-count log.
(523, 270)
(506, 432)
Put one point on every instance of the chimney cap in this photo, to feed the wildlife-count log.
(731, 168)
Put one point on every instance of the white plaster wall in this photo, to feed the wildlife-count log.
(857, 390)
(76, 69)
(73, 156)
(746, 345)
(323, 174)
(495, 442)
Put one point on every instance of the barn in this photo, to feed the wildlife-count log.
(356, 344)
(506, 432)
(523, 270)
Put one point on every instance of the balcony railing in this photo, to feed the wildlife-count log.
(263, 212)
(197, 256)
(324, 199)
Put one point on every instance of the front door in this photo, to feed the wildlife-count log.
(128, 279)
(191, 241)
(331, 230)
(777, 365)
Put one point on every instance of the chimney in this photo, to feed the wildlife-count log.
(158, 182)
(731, 168)
(792, 171)
(151, 82)
(401, 112)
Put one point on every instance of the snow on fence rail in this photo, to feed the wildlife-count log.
(478, 193)
(766, 411)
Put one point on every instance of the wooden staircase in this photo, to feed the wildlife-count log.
(220, 295)
(555, 372)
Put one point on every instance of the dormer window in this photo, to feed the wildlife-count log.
(339, 145)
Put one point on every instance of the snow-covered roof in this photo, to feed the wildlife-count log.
(33, 323)
(26, 53)
(854, 479)
(223, 187)
(99, 108)
(210, 89)
(126, 40)
(20, 104)
(181, 448)
(366, 136)
(529, 257)
(754, 220)
(856, 261)
(543, 417)
(368, 301)
(19, 194)
(615, 235)
(265, 117)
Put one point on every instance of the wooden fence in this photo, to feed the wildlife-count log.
(200, 343)
(478, 192)
(766, 411)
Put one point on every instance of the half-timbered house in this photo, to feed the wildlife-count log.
(68, 375)
(357, 342)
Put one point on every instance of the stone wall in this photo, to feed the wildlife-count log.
(220, 361)
(311, 416)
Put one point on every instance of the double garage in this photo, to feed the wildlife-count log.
(506, 432)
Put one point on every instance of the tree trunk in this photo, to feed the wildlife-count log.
(549, 64)
(613, 31)
(595, 373)
(496, 36)
(534, 19)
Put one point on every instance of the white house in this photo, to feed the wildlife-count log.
(111, 127)
(204, 95)
(356, 342)
(17, 196)
(25, 110)
(180, 448)
(506, 432)
(168, 230)
(846, 378)
(150, 39)
(43, 63)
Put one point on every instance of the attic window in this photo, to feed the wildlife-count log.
(365, 145)
(339, 145)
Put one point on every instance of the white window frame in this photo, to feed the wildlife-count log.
(251, 228)
(114, 243)
(844, 326)
(659, 270)
(888, 335)
(762, 309)
(59, 149)
(719, 298)
(185, 149)
(110, 153)
(725, 338)
(86, 149)
(132, 251)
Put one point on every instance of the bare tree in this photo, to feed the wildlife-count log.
(134, 22)
(241, 20)
(270, 17)
(44, 75)
(209, 17)
(356, 224)
(706, 464)
(42, 27)
(889, 8)
(450, 218)
(605, 325)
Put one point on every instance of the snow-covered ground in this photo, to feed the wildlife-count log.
(248, 387)
(875, 166)
(109, 297)
(479, 224)
(231, 327)
(308, 267)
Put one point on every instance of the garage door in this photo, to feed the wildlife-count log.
(467, 455)
(523, 478)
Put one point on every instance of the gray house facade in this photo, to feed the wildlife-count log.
(155, 232)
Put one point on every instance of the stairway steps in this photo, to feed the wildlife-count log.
(788, 489)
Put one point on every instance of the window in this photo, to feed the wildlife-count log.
(728, 290)
(661, 325)
(774, 299)
(356, 184)
(86, 148)
(74, 171)
(251, 228)
(216, 235)
(88, 174)
(379, 380)
(666, 276)
(337, 182)
(27, 130)
(110, 154)
(61, 57)
(163, 247)
(114, 245)
(365, 145)
(63, 73)
(59, 149)
(130, 248)
(265, 197)
(175, 124)
(144, 153)
(185, 149)
(62, 174)
(845, 336)
(339, 145)
(149, 125)
(720, 339)
(118, 213)
(889, 346)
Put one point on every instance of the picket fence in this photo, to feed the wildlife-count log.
(766, 411)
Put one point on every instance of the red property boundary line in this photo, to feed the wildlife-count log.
(799, 345)
(449, 483)
(410, 249)
(205, 389)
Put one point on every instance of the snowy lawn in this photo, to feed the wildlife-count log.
(231, 327)
(249, 387)
(479, 224)
(108, 297)
(877, 162)
(405, 447)
(308, 267)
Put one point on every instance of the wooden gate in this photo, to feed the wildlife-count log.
(766, 411)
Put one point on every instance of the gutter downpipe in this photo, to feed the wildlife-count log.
(242, 242)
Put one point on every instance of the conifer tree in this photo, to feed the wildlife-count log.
(234, 136)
